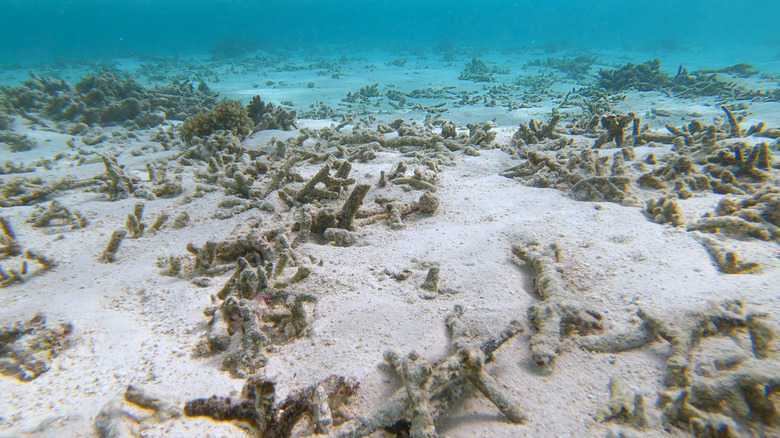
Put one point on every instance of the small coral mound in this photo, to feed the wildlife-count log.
(227, 115)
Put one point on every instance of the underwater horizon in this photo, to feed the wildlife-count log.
(39, 30)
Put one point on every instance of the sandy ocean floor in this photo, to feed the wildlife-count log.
(132, 325)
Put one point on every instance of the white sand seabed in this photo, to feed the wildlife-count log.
(134, 326)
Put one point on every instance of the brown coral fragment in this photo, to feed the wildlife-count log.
(731, 396)
(270, 116)
(584, 174)
(602, 188)
(430, 388)
(560, 310)
(535, 132)
(9, 244)
(315, 409)
(740, 165)
(736, 131)
(11, 248)
(615, 126)
(416, 183)
(346, 216)
(26, 191)
(134, 222)
(227, 115)
(396, 211)
(431, 283)
(311, 192)
(255, 312)
(663, 210)
(28, 349)
(164, 409)
(728, 261)
(25, 272)
(725, 396)
(59, 214)
(718, 318)
(623, 404)
(118, 184)
(736, 226)
(109, 255)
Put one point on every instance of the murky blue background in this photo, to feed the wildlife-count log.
(40, 29)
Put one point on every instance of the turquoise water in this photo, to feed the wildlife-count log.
(39, 30)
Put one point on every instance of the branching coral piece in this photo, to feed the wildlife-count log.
(17, 142)
(718, 318)
(181, 220)
(9, 245)
(159, 222)
(134, 222)
(339, 237)
(254, 314)
(239, 184)
(164, 409)
(560, 309)
(269, 116)
(740, 163)
(663, 210)
(434, 387)
(722, 398)
(584, 174)
(756, 216)
(431, 283)
(648, 76)
(615, 125)
(43, 217)
(28, 349)
(25, 191)
(315, 409)
(25, 272)
(617, 341)
(310, 191)
(10, 248)
(736, 131)
(415, 374)
(119, 185)
(245, 283)
(535, 132)
(416, 183)
(736, 226)
(109, 255)
(727, 261)
(395, 211)
(729, 397)
(601, 188)
(623, 404)
(346, 216)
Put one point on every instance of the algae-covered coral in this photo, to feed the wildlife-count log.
(227, 115)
